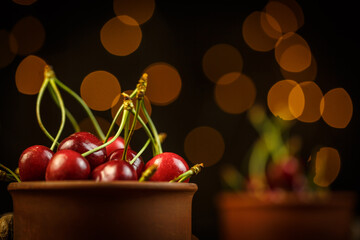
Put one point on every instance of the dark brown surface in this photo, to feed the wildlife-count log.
(288, 216)
(91, 210)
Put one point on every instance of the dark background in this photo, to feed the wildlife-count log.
(179, 33)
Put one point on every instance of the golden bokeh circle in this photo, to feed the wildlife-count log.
(140, 10)
(278, 99)
(337, 108)
(29, 75)
(326, 166)
(29, 34)
(99, 89)
(235, 93)
(120, 38)
(254, 35)
(221, 59)
(204, 145)
(293, 53)
(164, 83)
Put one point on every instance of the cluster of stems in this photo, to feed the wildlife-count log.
(52, 83)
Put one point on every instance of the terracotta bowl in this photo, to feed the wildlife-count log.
(286, 216)
(93, 210)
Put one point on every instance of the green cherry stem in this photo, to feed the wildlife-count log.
(153, 129)
(194, 170)
(71, 118)
(148, 132)
(127, 106)
(140, 152)
(84, 105)
(63, 115)
(38, 102)
(117, 116)
(132, 129)
(11, 172)
(148, 173)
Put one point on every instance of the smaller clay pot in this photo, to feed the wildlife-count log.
(285, 215)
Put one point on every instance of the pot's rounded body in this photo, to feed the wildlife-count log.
(286, 216)
(102, 210)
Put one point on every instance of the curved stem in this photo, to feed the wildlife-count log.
(132, 129)
(38, 103)
(11, 172)
(84, 105)
(117, 116)
(153, 129)
(123, 122)
(63, 116)
(71, 118)
(148, 133)
(141, 151)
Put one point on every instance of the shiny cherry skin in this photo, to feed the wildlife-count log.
(119, 143)
(169, 166)
(138, 165)
(114, 170)
(286, 175)
(67, 165)
(33, 162)
(82, 142)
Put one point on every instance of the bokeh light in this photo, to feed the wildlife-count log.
(116, 107)
(29, 75)
(235, 93)
(312, 96)
(255, 36)
(278, 99)
(30, 35)
(86, 125)
(8, 48)
(120, 38)
(99, 89)
(140, 10)
(24, 2)
(284, 16)
(309, 74)
(293, 53)
(270, 25)
(327, 166)
(296, 101)
(204, 145)
(164, 83)
(221, 59)
(336, 108)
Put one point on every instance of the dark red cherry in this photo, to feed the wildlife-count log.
(169, 166)
(82, 142)
(114, 170)
(119, 143)
(286, 175)
(67, 165)
(33, 162)
(138, 165)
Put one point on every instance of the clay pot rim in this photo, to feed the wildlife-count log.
(88, 184)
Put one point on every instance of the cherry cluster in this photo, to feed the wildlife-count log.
(82, 155)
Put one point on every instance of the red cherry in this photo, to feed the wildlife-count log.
(138, 165)
(114, 170)
(33, 162)
(82, 142)
(286, 175)
(169, 166)
(119, 143)
(67, 165)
